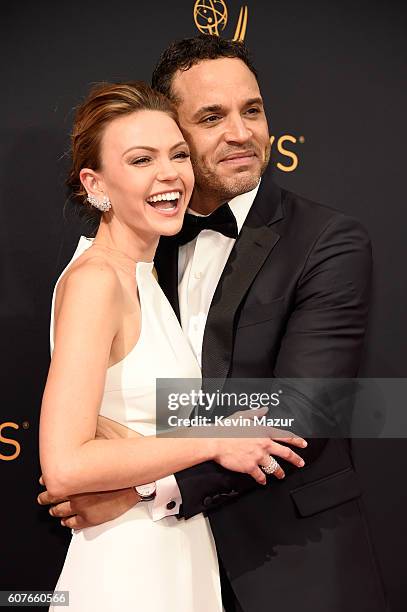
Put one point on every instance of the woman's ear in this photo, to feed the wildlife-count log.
(92, 182)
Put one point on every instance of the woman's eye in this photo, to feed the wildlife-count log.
(140, 160)
(182, 155)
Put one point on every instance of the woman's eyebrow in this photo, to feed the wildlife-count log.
(153, 149)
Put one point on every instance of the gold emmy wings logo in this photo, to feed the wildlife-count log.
(211, 17)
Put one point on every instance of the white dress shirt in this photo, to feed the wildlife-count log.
(200, 266)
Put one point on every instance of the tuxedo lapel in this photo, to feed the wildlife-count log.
(254, 244)
(166, 264)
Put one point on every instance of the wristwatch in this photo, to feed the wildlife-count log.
(147, 492)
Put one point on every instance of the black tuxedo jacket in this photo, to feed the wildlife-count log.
(292, 302)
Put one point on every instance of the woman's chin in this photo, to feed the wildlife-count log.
(169, 224)
(171, 228)
(168, 221)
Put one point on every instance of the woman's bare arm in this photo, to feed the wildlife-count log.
(72, 460)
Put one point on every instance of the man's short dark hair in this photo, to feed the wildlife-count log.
(183, 54)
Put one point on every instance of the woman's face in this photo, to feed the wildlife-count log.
(146, 172)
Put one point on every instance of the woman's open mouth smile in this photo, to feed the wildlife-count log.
(166, 203)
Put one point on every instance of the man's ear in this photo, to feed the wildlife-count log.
(92, 182)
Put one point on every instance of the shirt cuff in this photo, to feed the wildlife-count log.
(167, 500)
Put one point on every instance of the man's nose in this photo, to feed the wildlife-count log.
(237, 131)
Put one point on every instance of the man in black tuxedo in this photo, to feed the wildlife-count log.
(283, 294)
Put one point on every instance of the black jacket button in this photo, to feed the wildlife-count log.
(207, 501)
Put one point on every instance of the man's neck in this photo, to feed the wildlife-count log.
(205, 202)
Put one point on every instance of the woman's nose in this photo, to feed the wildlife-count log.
(167, 171)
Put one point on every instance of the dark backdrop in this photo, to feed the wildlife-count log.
(333, 78)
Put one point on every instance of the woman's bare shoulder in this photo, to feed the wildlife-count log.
(90, 281)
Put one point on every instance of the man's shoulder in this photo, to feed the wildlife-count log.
(296, 204)
(311, 216)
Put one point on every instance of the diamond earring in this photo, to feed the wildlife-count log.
(103, 205)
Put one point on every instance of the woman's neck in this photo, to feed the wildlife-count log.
(125, 241)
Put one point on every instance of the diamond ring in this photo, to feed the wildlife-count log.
(271, 467)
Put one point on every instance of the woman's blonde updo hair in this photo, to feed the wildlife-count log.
(105, 102)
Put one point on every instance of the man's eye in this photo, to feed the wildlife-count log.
(210, 119)
(253, 111)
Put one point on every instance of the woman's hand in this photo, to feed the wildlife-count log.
(246, 455)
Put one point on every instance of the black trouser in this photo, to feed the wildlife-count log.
(229, 600)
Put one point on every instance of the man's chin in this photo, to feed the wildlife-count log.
(236, 172)
(241, 182)
(227, 183)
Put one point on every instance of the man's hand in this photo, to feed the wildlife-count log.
(89, 509)
(108, 429)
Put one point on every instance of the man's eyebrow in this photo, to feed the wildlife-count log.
(212, 108)
(217, 108)
(152, 149)
(257, 100)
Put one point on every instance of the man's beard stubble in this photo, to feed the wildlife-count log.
(223, 189)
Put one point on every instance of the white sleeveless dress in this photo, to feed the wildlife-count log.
(132, 563)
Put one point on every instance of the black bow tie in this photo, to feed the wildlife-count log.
(222, 220)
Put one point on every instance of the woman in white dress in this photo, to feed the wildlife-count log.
(113, 333)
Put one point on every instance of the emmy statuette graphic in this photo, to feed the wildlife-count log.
(211, 17)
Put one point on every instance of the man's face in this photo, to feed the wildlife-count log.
(222, 118)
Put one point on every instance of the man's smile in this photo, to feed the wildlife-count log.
(239, 158)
